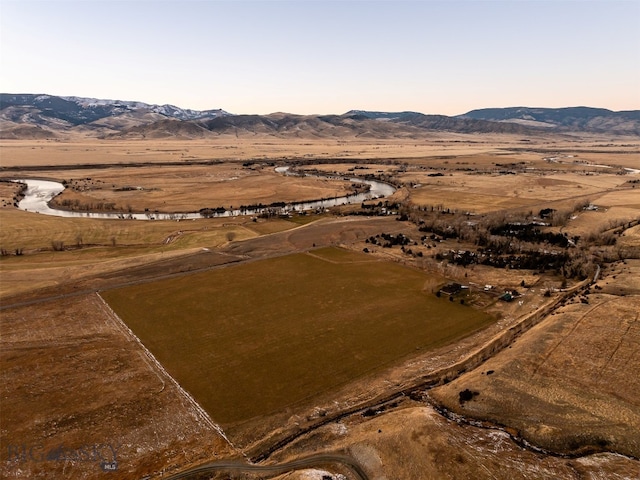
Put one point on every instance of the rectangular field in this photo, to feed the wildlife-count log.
(249, 340)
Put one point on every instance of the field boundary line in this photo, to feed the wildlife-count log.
(133, 337)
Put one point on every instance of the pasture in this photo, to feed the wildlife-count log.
(73, 379)
(569, 384)
(250, 340)
(55, 249)
(526, 191)
(186, 188)
(81, 150)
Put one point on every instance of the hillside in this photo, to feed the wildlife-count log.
(30, 116)
(587, 119)
(48, 116)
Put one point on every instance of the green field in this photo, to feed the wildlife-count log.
(249, 340)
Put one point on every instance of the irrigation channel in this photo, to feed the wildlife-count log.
(40, 192)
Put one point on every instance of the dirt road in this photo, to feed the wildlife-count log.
(302, 463)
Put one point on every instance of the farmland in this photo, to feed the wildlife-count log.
(292, 342)
(256, 338)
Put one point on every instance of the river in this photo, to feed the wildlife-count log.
(40, 192)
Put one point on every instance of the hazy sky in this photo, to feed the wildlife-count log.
(304, 56)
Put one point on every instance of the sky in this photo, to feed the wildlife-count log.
(320, 57)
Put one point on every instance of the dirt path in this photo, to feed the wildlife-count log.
(302, 463)
(567, 335)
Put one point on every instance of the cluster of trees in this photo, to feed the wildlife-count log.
(274, 205)
(211, 212)
(76, 205)
(83, 184)
(22, 189)
(530, 260)
(388, 240)
(378, 209)
(530, 232)
(466, 395)
(297, 167)
(518, 241)
(261, 163)
(261, 206)
(57, 245)
(19, 195)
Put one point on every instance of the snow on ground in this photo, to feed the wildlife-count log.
(320, 475)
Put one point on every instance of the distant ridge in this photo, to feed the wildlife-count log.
(440, 122)
(80, 110)
(588, 119)
(40, 116)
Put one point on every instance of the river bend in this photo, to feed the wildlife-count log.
(40, 192)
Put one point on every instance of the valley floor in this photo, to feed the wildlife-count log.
(546, 390)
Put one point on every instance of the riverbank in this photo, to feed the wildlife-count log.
(39, 194)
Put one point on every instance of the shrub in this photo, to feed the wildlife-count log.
(466, 395)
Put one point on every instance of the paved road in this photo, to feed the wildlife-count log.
(302, 463)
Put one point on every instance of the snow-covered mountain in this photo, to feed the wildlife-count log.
(167, 110)
(48, 116)
(81, 111)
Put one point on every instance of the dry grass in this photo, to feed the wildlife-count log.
(53, 269)
(488, 148)
(55, 357)
(86, 151)
(417, 443)
(582, 393)
(488, 193)
(186, 188)
(631, 237)
(37, 232)
(614, 208)
(567, 384)
(92, 247)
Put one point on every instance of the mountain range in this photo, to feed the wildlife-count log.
(572, 119)
(29, 116)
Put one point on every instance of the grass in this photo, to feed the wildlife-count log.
(569, 383)
(249, 340)
(487, 193)
(82, 381)
(188, 188)
(94, 246)
(31, 231)
(340, 255)
(261, 147)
